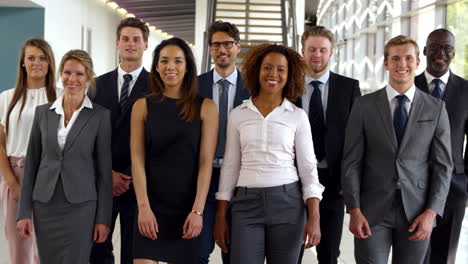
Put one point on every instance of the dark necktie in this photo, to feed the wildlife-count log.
(437, 92)
(400, 116)
(317, 121)
(223, 116)
(124, 92)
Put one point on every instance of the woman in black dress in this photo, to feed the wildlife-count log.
(173, 140)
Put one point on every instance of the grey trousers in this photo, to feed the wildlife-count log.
(393, 233)
(267, 223)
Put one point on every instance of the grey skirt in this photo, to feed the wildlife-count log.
(64, 231)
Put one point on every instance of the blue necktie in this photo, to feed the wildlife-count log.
(400, 116)
(124, 92)
(437, 92)
(317, 121)
(223, 117)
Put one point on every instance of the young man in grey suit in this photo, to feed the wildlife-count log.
(117, 90)
(328, 108)
(224, 85)
(397, 163)
(441, 83)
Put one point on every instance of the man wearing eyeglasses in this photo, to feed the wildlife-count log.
(439, 81)
(224, 85)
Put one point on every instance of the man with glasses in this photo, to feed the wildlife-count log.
(439, 81)
(224, 85)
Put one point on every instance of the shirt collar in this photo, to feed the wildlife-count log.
(392, 93)
(285, 105)
(444, 78)
(323, 79)
(58, 105)
(232, 78)
(134, 73)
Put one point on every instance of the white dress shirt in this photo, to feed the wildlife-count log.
(393, 101)
(62, 131)
(232, 79)
(19, 129)
(120, 79)
(260, 151)
(444, 78)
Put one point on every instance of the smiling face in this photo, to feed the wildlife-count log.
(439, 51)
(131, 44)
(224, 57)
(74, 78)
(35, 62)
(317, 51)
(172, 66)
(401, 64)
(273, 73)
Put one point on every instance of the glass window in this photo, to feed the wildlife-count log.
(457, 22)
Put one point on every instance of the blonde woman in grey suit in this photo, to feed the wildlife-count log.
(67, 181)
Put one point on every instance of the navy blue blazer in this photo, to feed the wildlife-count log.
(106, 95)
(205, 87)
(456, 103)
(341, 94)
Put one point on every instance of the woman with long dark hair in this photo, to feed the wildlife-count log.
(173, 139)
(35, 86)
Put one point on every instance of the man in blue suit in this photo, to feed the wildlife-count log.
(224, 85)
(117, 90)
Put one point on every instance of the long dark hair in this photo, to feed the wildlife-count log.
(21, 81)
(189, 89)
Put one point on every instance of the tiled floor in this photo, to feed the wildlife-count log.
(309, 256)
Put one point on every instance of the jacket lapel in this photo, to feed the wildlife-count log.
(206, 85)
(412, 118)
(113, 91)
(421, 83)
(240, 90)
(331, 94)
(450, 93)
(53, 120)
(384, 111)
(81, 120)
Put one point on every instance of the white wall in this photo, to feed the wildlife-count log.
(201, 11)
(64, 20)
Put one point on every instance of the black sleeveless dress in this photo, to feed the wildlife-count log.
(172, 148)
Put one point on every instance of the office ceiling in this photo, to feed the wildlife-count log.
(176, 17)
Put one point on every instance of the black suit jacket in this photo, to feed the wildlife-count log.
(107, 96)
(205, 87)
(456, 102)
(341, 93)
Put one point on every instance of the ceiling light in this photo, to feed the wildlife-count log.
(113, 5)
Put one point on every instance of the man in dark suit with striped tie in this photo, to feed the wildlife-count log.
(439, 81)
(117, 90)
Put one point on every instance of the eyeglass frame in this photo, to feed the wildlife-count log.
(229, 43)
(437, 47)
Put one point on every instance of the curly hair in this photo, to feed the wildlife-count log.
(296, 70)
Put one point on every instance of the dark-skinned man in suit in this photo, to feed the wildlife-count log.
(439, 81)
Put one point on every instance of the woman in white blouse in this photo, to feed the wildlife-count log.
(67, 181)
(35, 86)
(266, 135)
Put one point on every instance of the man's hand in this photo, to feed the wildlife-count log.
(120, 183)
(358, 224)
(101, 231)
(423, 223)
(24, 227)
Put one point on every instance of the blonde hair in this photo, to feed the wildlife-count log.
(82, 57)
(398, 41)
(318, 31)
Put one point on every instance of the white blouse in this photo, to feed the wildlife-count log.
(260, 151)
(18, 132)
(62, 131)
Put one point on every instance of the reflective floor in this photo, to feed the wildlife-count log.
(309, 256)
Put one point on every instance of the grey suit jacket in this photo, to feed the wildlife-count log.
(374, 167)
(84, 165)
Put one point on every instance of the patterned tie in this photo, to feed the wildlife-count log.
(400, 116)
(124, 92)
(437, 92)
(223, 116)
(317, 121)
